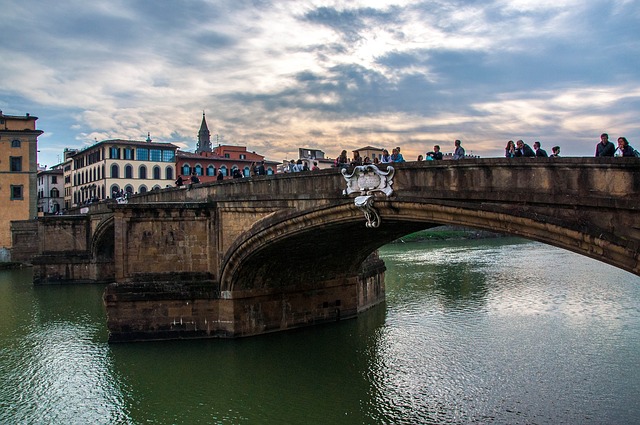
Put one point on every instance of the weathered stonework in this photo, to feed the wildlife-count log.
(257, 255)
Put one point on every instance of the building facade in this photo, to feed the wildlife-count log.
(207, 161)
(50, 191)
(18, 171)
(112, 168)
(370, 152)
(312, 157)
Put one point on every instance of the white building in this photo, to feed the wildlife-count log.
(111, 166)
(50, 191)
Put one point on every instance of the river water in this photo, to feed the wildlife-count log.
(500, 331)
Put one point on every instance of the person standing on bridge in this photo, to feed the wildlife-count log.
(539, 151)
(605, 147)
(385, 158)
(458, 152)
(555, 151)
(435, 154)
(510, 149)
(522, 149)
(623, 148)
(396, 156)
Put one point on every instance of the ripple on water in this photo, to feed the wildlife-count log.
(58, 374)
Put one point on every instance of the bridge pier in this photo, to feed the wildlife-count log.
(190, 305)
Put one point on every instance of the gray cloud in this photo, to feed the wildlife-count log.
(272, 75)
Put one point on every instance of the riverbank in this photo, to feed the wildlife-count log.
(447, 233)
(12, 265)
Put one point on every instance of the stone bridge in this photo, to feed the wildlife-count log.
(249, 256)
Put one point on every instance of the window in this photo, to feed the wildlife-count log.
(168, 156)
(128, 153)
(243, 156)
(186, 170)
(246, 172)
(156, 155)
(211, 170)
(226, 155)
(128, 171)
(142, 172)
(114, 153)
(16, 163)
(199, 169)
(54, 179)
(142, 154)
(55, 193)
(115, 171)
(223, 169)
(156, 172)
(16, 192)
(15, 143)
(169, 173)
(142, 189)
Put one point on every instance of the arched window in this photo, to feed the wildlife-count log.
(142, 189)
(142, 172)
(129, 189)
(199, 169)
(156, 172)
(55, 193)
(269, 171)
(128, 171)
(115, 171)
(15, 143)
(169, 173)
(115, 189)
(186, 170)
(224, 170)
(211, 170)
(246, 172)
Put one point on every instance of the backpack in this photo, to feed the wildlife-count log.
(636, 153)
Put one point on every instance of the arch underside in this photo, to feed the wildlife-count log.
(332, 243)
(103, 250)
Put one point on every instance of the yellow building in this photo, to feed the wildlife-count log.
(18, 171)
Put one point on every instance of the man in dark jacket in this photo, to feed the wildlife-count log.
(539, 151)
(522, 149)
(605, 147)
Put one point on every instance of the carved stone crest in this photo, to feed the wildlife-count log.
(368, 179)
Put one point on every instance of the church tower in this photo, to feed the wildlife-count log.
(204, 137)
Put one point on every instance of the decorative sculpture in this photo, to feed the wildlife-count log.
(368, 179)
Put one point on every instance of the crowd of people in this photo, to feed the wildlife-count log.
(607, 148)
(512, 150)
(343, 161)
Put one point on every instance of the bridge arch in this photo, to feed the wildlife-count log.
(280, 248)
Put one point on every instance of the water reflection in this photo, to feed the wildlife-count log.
(495, 331)
(54, 361)
(502, 331)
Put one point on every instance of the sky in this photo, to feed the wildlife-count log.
(278, 75)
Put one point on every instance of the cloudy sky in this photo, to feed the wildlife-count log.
(275, 75)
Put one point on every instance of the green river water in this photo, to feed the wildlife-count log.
(500, 331)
